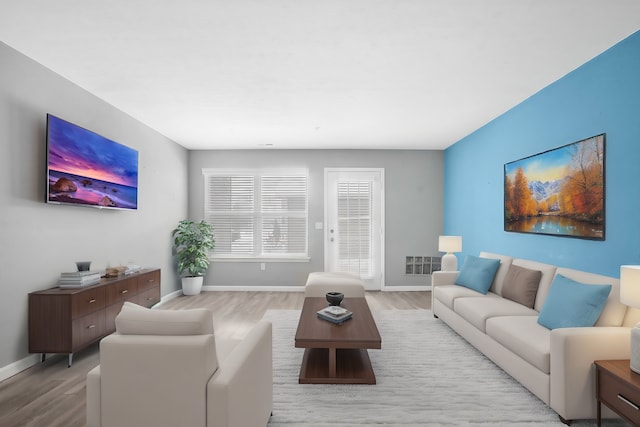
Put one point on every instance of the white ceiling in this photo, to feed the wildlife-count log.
(234, 74)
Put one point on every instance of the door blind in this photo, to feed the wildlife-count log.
(354, 218)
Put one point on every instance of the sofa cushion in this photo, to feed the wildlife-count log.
(137, 320)
(476, 310)
(447, 294)
(505, 263)
(571, 304)
(548, 272)
(524, 337)
(614, 311)
(478, 273)
(521, 285)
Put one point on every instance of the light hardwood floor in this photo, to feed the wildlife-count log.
(52, 395)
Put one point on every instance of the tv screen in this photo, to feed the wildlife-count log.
(84, 168)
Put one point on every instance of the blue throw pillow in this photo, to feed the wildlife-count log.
(477, 273)
(571, 304)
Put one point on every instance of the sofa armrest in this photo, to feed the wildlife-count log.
(573, 351)
(93, 398)
(440, 278)
(240, 393)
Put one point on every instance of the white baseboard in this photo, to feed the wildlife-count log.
(19, 366)
(255, 288)
(406, 288)
(169, 297)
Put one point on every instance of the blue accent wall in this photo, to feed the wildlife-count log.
(601, 96)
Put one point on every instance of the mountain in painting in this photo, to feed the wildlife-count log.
(543, 190)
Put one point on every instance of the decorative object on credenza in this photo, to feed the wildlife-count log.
(560, 192)
(115, 271)
(630, 295)
(78, 279)
(131, 268)
(192, 243)
(122, 270)
(83, 265)
(449, 244)
(334, 298)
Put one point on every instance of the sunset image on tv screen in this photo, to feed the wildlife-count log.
(88, 169)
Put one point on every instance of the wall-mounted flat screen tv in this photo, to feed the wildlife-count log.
(84, 168)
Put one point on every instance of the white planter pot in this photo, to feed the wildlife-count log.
(192, 285)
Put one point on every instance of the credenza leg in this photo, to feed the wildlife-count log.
(43, 356)
(70, 360)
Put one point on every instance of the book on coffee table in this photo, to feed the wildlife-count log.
(335, 314)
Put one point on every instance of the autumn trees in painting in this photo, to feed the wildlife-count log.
(519, 200)
(564, 186)
(582, 194)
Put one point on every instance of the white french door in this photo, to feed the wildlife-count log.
(354, 223)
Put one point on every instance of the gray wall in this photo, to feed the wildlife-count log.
(413, 210)
(39, 240)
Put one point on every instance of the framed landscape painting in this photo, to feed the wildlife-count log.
(560, 192)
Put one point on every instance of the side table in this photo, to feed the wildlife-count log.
(618, 387)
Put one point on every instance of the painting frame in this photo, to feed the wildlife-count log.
(559, 192)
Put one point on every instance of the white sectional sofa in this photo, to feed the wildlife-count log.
(554, 364)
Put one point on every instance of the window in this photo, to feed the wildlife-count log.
(257, 213)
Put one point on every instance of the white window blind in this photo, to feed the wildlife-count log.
(257, 213)
(354, 217)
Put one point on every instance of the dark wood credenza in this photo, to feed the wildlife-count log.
(68, 320)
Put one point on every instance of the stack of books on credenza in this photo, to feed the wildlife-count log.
(78, 279)
(335, 314)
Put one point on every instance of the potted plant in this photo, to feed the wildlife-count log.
(192, 242)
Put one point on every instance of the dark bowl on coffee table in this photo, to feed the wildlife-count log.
(335, 298)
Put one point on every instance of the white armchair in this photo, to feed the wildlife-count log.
(161, 368)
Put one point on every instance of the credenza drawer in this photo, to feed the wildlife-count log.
(122, 290)
(148, 280)
(87, 302)
(150, 297)
(87, 329)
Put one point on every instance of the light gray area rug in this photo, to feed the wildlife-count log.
(426, 375)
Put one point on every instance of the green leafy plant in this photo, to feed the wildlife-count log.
(192, 242)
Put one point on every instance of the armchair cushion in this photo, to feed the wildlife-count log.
(137, 320)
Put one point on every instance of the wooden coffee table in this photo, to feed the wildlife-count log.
(337, 354)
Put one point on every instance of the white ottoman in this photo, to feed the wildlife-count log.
(319, 283)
